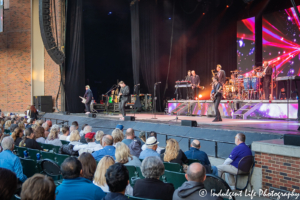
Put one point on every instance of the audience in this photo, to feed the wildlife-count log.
(231, 163)
(53, 137)
(75, 138)
(90, 145)
(123, 155)
(120, 126)
(28, 140)
(72, 128)
(117, 135)
(7, 126)
(99, 135)
(40, 134)
(135, 148)
(75, 123)
(9, 160)
(21, 125)
(195, 153)
(151, 187)
(49, 122)
(72, 173)
(17, 136)
(190, 189)
(129, 136)
(87, 129)
(38, 187)
(68, 148)
(152, 134)
(81, 133)
(29, 123)
(173, 153)
(46, 128)
(13, 127)
(108, 149)
(142, 137)
(33, 113)
(8, 184)
(88, 165)
(117, 178)
(151, 148)
(65, 132)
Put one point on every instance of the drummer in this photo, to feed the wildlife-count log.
(232, 79)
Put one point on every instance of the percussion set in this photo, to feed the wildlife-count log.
(241, 87)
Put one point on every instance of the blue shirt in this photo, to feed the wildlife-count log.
(238, 153)
(106, 151)
(195, 153)
(148, 152)
(127, 141)
(10, 161)
(78, 189)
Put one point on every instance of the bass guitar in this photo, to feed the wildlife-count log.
(213, 97)
(83, 99)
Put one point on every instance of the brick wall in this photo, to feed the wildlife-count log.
(279, 171)
(15, 57)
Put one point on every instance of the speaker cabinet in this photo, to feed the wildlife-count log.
(43, 103)
(289, 139)
(93, 115)
(189, 123)
(129, 118)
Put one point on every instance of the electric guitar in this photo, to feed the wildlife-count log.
(213, 97)
(83, 99)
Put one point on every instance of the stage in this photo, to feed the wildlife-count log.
(209, 133)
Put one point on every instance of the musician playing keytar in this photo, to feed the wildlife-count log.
(88, 96)
(217, 94)
(267, 74)
(123, 98)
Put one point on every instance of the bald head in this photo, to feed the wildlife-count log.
(107, 140)
(196, 172)
(196, 144)
(130, 133)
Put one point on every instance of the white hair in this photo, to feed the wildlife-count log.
(87, 129)
(55, 126)
(7, 143)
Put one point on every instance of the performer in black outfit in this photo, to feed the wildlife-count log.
(88, 96)
(195, 84)
(188, 77)
(221, 75)
(267, 73)
(123, 95)
(217, 100)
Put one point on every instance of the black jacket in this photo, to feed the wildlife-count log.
(17, 141)
(115, 196)
(190, 190)
(151, 188)
(32, 144)
(88, 95)
(267, 77)
(34, 115)
(125, 93)
(82, 139)
(68, 149)
(180, 159)
(222, 76)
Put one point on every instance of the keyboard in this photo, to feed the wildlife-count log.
(285, 78)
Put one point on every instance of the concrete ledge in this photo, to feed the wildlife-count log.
(276, 147)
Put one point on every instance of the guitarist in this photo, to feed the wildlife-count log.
(218, 96)
(123, 98)
(88, 96)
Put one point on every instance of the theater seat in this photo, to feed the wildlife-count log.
(47, 155)
(21, 151)
(64, 142)
(32, 153)
(29, 167)
(175, 177)
(59, 158)
(132, 173)
(175, 167)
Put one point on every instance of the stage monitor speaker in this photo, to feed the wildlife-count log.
(66, 113)
(93, 115)
(189, 123)
(129, 118)
(289, 139)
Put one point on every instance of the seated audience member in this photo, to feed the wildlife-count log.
(34, 126)
(99, 135)
(108, 149)
(72, 128)
(74, 186)
(88, 165)
(120, 126)
(151, 187)
(7, 126)
(39, 122)
(190, 189)
(75, 138)
(158, 149)
(13, 127)
(151, 148)
(81, 133)
(135, 148)
(53, 138)
(75, 123)
(68, 148)
(46, 128)
(21, 125)
(28, 140)
(49, 122)
(231, 164)
(29, 123)
(17, 136)
(87, 129)
(38, 187)
(117, 135)
(123, 155)
(129, 136)
(8, 184)
(65, 133)
(10, 161)
(56, 127)
(173, 153)
(33, 113)
(142, 137)
(99, 178)
(195, 153)
(117, 178)
(91, 145)
(40, 134)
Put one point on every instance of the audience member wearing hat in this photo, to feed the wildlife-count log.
(91, 145)
(120, 126)
(151, 144)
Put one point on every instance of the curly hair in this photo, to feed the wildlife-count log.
(172, 150)
(53, 134)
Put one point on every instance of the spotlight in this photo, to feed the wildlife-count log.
(170, 18)
(109, 13)
(200, 96)
(227, 6)
(203, 13)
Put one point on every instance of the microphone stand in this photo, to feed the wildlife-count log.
(106, 102)
(154, 102)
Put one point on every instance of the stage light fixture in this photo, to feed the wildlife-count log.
(200, 96)
(227, 6)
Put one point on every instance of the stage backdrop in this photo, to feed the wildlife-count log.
(281, 37)
(246, 45)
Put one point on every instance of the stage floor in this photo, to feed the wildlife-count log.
(265, 126)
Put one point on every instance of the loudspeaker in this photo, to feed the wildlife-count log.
(93, 115)
(46, 32)
(66, 113)
(43, 103)
(289, 139)
(129, 118)
(188, 123)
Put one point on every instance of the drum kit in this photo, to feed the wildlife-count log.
(241, 87)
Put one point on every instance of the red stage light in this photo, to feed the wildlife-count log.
(231, 101)
(270, 101)
(227, 101)
(227, 6)
(173, 99)
(203, 13)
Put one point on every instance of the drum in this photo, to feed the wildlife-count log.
(254, 83)
(247, 83)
